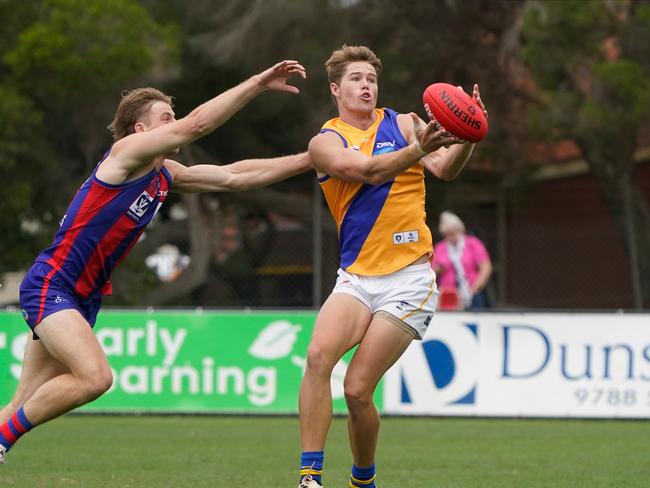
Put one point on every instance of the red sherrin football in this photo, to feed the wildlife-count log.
(456, 111)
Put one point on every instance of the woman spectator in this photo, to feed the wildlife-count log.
(461, 262)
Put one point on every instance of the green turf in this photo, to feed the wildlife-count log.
(85, 451)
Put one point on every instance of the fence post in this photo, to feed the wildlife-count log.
(317, 264)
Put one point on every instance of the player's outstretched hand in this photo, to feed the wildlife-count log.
(432, 136)
(275, 78)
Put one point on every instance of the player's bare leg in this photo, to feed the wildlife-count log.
(38, 368)
(340, 325)
(69, 340)
(382, 345)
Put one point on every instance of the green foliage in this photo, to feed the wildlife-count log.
(19, 164)
(583, 88)
(79, 47)
(562, 36)
(63, 64)
(626, 90)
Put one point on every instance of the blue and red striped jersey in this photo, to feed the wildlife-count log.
(102, 224)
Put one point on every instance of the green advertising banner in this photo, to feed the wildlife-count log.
(207, 362)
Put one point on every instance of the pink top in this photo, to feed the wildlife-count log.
(474, 253)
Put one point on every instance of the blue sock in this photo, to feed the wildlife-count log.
(362, 477)
(311, 462)
(14, 428)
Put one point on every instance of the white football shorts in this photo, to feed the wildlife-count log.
(410, 294)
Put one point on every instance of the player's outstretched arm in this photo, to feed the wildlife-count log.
(329, 156)
(141, 147)
(240, 176)
(447, 162)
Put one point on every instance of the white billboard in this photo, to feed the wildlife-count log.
(525, 365)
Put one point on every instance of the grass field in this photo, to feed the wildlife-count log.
(90, 451)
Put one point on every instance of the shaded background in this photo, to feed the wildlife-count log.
(559, 191)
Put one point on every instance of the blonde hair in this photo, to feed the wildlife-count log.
(449, 222)
(339, 60)
(133, 107)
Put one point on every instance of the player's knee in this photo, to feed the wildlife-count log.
(357, 395)
(319, 360)
(98, 384)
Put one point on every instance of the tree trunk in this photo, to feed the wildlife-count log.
(611, 159)
(202, 237)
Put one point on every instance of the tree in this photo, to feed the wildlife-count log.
(63, 65)
(591, 61)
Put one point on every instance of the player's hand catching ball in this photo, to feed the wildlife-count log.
(432, 136)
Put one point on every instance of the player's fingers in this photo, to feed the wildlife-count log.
(287, 62)
(297, 69)
(431, 131)
(290, 89)
(450, 141)
(285, 65)
(460, 88)
(279, 66)
(482, 105)
(437, 137)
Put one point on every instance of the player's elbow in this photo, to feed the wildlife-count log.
(193, 126)
(445, 173)
(197, 127)
(448, 175)
(356, 171)
(375, 176)
(377, 179)
(236, 182)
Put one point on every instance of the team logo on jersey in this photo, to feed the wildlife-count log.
(406, 237)
(140, 205)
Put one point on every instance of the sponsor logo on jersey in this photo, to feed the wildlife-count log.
(384, 147)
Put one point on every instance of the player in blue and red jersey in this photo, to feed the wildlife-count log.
(64, 366)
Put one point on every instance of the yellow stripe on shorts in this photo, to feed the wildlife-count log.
(423, 301)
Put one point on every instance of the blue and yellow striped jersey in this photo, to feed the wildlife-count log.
(381, 228)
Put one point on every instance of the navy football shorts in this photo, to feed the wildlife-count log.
(43, 293)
